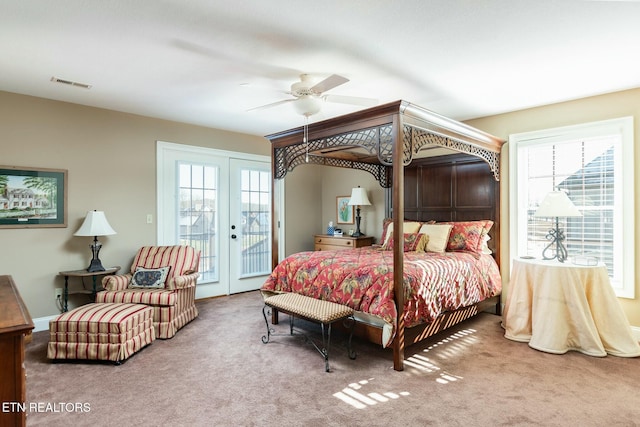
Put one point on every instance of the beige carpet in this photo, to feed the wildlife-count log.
(216, 371)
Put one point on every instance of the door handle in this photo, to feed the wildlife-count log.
(233, 236)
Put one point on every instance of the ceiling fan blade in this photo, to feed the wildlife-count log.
(329, 83)
(273, 104)
(354, 100)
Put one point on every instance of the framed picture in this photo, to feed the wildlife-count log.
(344, 212)
(32, 197)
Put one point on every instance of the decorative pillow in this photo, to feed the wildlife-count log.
(413, 242)
(484, 248)
(387, 229)
(487, 227)
(467, 235)
(423, 242)
(438, 235)
(149, 278)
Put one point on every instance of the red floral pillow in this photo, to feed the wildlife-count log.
(413, 242)
(385, 228)
(409, 226)
(468, 235)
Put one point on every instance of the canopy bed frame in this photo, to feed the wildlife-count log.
(385, 141)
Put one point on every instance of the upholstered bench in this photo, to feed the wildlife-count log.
(101, 331)
(323, 312)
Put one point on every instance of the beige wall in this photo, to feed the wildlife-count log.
(111, 163)
(339, 182)
(303, 189)
(609, 106)
(310, 196)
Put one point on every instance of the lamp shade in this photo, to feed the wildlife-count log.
(557, 203)
(359, 197)
(95, 224)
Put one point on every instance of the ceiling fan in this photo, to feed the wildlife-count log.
(307, 96)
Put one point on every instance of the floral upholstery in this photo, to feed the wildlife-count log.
(387, 228)
(413, 242)
(174, 305)
(468, 235)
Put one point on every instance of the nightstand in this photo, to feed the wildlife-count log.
(332, 243)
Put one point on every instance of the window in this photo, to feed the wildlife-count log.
(255, 193)
(198, 207)
(593, 164)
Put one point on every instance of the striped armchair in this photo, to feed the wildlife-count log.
(174, 304)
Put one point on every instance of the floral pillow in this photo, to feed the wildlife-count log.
(387, 226)
(387, 229)
(468, 235)
(413, 242)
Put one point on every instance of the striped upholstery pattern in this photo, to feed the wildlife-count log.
(310, 308)
(174, 306)
(166, 297)
(111, 332)
(182, 259)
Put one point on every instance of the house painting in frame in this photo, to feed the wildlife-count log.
(32, 197)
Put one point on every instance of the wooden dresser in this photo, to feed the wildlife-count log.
(15, 323)
(332, 243)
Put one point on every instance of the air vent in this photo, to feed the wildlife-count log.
(70, 83)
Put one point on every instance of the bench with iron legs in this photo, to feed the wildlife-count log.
(323, 312)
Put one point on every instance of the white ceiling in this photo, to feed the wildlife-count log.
(208, 61)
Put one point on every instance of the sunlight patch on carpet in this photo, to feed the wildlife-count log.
(446, 378)
(421, 363)
(355, 396)
(455, 344)
(450, 347)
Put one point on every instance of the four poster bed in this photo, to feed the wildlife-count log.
(403, 291)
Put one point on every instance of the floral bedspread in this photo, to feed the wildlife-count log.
(363, 279)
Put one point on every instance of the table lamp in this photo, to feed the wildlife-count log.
(358, 198)
(95, 224)
(556, 204)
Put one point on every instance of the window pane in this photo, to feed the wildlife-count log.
(198, 217)
(256, 213)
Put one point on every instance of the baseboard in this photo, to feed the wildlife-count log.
(42, 323)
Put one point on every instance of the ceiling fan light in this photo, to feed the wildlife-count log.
(307, 105)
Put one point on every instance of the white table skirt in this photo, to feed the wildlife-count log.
(557, 307)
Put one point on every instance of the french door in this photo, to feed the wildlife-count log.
(249, 224)
(220, 203)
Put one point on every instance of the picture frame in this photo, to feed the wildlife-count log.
(33, 197)
(344, 212)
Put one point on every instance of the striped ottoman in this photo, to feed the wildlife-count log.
(111, 332)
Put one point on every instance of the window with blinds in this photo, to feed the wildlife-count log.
(591, 164)
(585, 171)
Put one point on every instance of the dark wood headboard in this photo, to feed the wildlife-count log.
(456, 187)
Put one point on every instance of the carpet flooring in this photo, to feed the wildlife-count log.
(217, 372)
